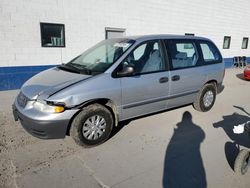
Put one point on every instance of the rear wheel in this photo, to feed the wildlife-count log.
(242, 162)
(92, 126)
(205, 98)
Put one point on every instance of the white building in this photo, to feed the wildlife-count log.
(26, 41)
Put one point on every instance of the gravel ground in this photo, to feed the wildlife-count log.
(136, 156)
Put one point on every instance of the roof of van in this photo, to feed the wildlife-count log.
(164, 36)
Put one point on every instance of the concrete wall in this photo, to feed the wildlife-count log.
(85, 23)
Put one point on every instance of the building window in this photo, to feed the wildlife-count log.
(226, 42)
(244, 43)
(114, 32)
(52, 35)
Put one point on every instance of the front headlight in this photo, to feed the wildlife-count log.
(43, 107)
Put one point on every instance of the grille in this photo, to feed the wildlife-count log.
(22, 100)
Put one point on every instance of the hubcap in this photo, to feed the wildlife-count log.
(208, 98)
(94, 127)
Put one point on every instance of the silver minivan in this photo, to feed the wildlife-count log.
(116, 80)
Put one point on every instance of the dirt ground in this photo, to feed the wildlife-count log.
(14, 142)
(136, 156)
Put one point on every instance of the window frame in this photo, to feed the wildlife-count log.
(244, 38)
(163, 56)
(204, 63)
(52, 24)
(229, 44)
(197, 50)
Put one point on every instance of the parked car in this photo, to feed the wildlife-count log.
(116, 80)
(247, 72)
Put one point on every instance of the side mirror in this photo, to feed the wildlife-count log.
(126, 71)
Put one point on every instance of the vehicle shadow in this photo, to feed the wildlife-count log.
(124, 123)
(240, 76)
(183, 166)
(232, 147)
(119, 127)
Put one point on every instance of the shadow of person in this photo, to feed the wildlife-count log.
(232, 147)
(183, 166)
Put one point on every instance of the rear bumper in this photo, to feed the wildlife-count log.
(44, 129)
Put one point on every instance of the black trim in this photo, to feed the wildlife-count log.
(165, 54)
(189, 34)
(158, 100)
(54, 24)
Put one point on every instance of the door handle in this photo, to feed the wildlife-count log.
(175, 78)
(163, 79)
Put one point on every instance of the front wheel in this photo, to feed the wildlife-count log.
(92, 126)
(205, 98)
(242, 162)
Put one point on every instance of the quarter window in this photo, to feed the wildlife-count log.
(146, 58)
(244, 43)
(226, 42)
(209, 52)
(182, 54)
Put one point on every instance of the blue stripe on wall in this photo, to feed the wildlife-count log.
(229, 62)
(14, 77)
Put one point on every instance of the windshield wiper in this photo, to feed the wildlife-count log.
(69, 68)
(81, 68)
(76, 68)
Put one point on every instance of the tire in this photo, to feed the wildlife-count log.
(208, 91)
(241, 162)
(86, 122)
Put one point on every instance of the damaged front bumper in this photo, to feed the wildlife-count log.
(43, 125)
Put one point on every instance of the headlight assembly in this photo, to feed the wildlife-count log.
(47, 108)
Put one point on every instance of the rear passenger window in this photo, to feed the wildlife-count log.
(210, 53)
(182, 53)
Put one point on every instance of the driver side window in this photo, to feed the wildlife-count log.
(146, 58)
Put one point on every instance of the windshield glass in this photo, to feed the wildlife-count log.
(100, 57)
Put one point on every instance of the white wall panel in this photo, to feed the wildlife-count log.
(85, 22)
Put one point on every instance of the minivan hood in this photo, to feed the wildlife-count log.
(50, 81)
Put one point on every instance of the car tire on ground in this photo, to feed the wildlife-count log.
(205, 98)
(92, 126)
(241, 162)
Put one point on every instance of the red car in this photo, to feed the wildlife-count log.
(247, 72)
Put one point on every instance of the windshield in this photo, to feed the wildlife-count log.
(100, 57)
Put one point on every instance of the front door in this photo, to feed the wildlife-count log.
(147, 89)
